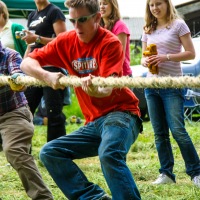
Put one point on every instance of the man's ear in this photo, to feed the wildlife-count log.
(98, 17)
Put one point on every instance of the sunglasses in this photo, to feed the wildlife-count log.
(81, 19)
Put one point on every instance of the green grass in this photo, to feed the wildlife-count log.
(73, 109)
(142, 160)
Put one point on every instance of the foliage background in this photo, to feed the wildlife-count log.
(135, 54)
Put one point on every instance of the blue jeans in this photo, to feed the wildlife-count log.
(166, 111)
(110, 137)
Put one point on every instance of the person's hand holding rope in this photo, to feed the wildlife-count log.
(94, 91)
(13, 85)
(52, 79)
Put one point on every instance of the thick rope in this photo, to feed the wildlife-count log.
(135, 82)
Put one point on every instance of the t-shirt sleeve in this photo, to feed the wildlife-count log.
(13, 62)
(111, 60)
(182, 28)
(120, 27)
(144, 37)
(29, 18)
(56, 15)
(47, 54)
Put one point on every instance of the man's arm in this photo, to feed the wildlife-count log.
(33, 68)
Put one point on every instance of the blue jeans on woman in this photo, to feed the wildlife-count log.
(166, 111)
(110, 137)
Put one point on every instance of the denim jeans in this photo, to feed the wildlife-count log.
(110, 137)
(166, 111)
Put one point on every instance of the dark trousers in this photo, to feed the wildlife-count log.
(54, 105)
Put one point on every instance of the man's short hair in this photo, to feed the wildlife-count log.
(91, 5)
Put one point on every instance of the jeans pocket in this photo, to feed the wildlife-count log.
(119, 119)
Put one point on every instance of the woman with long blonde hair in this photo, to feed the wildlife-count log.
(169, 33)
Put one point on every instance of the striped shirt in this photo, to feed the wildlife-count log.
(10, 61)
(168, 42)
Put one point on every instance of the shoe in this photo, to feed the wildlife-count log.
(73, 119)
(45, 121)
(196, 180)
(163, 179)
(37, 120)
(105, 197)
(78, 120)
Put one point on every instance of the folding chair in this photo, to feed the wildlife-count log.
(191, 105)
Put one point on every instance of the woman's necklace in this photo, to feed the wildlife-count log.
(162, 28)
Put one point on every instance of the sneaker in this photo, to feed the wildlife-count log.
(163, 179)
(78, 120)
(73, 119)
(45, 121)
(196, 180)
(37, 120)
(105, 197)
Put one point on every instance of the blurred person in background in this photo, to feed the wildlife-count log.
(44, 24)
(8, 30)
(111, 20)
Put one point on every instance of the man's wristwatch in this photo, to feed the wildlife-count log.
(38, 40)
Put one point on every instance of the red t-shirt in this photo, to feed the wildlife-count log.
(102, 56)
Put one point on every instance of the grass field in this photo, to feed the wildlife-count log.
(142, 160)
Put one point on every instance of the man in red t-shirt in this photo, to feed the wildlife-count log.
(112, 115)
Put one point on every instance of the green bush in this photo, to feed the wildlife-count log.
(135, 54)
(74, 108)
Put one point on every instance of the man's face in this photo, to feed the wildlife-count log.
(85, 23)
